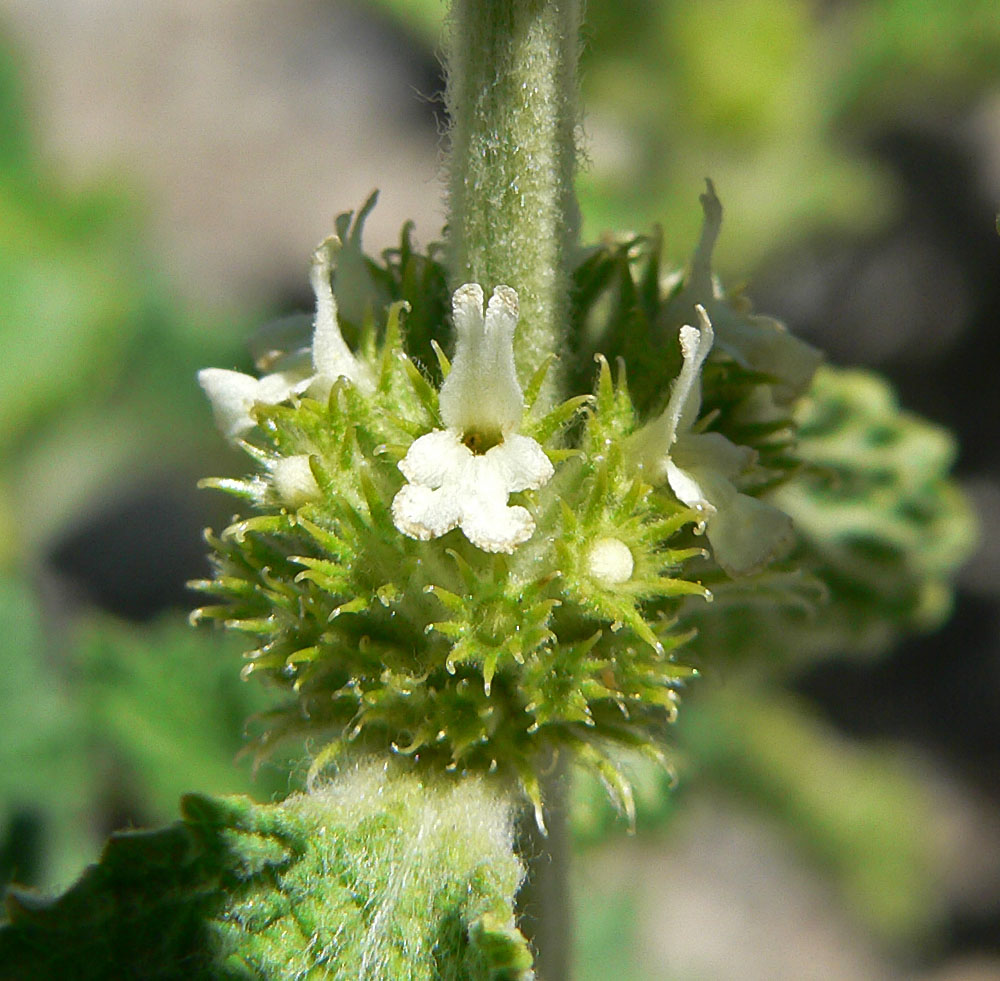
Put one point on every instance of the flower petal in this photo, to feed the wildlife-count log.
(232, 395)
(423, 513)
(521, 462)
(496, 528)
(757, 343)
(745, 533)
(332, 358)
(748, 534)
(278, 386)
(651, 445)
(700, 286)
(505, 391)
(712, 452)
(481, 391)
(450, 486)
(685, 396)
(487, 521)
(435, 459)
(765, 345)
(696, 488)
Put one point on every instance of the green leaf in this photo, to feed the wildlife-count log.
(381, 875)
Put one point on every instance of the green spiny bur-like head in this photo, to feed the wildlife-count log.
(453, 574)
(881, 527)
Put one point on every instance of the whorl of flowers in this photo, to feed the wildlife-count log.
(448, 571)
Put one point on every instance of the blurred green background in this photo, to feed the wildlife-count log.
(166, 170)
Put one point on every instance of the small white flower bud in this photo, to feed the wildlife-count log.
(610, 562)
(293, 481)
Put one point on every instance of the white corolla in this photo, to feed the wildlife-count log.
(745, 533)
(233, 394)
(462, 476)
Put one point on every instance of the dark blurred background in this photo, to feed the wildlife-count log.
(167, 167)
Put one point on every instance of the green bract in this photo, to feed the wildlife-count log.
(454, 574)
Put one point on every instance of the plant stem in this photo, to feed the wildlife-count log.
(513, 219)
(511, 96)
(543, 903)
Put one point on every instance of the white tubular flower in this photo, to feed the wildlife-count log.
(331, 357)
(744, 532)
(755, 342)
(234, 394)
(462, 476)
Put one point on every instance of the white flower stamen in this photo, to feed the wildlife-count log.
(462, 476)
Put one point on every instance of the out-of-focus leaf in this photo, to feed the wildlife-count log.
(97, 354)
(44, 792)
(882, 528)
(67, 301)
(165, 702)
(916, 53)
(605, 934)
(120, 720)
(16, 149)
(855, 810)
(424, 18)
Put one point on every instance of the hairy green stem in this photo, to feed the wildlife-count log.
(513, 219)
(511, 96)
(543, 903)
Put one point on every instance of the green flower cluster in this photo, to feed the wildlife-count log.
(455, 572)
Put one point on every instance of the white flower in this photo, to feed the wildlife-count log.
(757, 343)
(234, 394)
(462, 476)
(744, 532)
